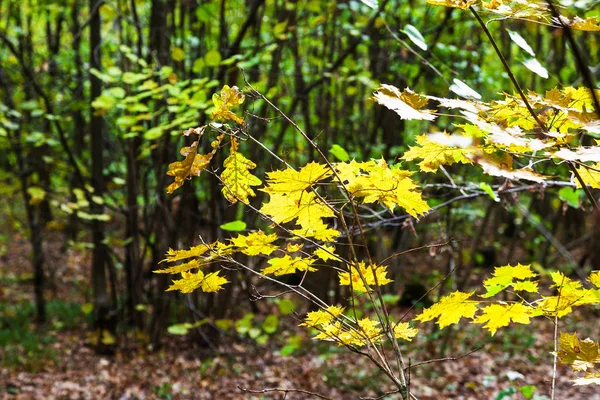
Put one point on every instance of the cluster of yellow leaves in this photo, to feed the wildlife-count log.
(581, 355)
(344, 333)
(499, 131)
(451, 308)
(530, 9)
(372, 275)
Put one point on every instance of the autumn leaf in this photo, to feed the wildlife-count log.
(590, 378)
(192, 281)
(177, 269)
(223, 102)
(300, 206)
(407, 104)
(594, 278)
(289, 180)
(236, 176)
(255, 243)
(195, 251)
(193, 164)
(450, 309)
(373, 275)
(581, 355)
(462, 4)
(434, 154)
(322, 317)
(287, 265)
(505, 276)
(589, 176)
(496, 316)
(402, 330)
(326, 253)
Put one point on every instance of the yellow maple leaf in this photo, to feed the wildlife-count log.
(326, 253)
(373, 275)
(302, 206)
(193, 164)
(390, 187)
(255, 243)
(590, 378)
(288, 180)
(435, 154)
(177, 269)
(322, 317)
(286, 265)
(320, 231)
(236, 176)
(570, 294)
(450, 309)
(505, 276)
(580, 24)
(594, 278)
(589, 176)
(581, 355)
(402, 330)
(195, 251)
(192, 281)
(293, 247)
(496, 316)
(407, 104)
(229, 97)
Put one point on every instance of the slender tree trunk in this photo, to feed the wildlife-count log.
(102, 306)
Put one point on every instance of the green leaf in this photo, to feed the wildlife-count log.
(212, 58)
(224, 324)
(179, 329)
(339, 152)
(286, 306)
(488, 189)
(528, 391)
(87, 308)
(262, 339)
(570, 195)
(271, 324)
(177, 54)
(415, 36)
(234, 226)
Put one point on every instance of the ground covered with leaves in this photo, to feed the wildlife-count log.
(58, 362)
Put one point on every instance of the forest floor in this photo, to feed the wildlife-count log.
(59, 363)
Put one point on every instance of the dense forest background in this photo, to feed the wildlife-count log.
(95, 97)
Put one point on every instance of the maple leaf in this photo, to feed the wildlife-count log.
(192, 281)
(496, 316)
(580, 24)
(286, 265)
(402, 330)
(293, 247)
(434, 154)
(288, 180)
(505, 276)
(319, 231)
(176, 269)
(302, 206)
(326, 253)
(373, 275)
(193, 164)
(494, 168)
(594, 278)
(589, 176)
(236, 176)
(450, 309)
(229, 97)
(571, 294)
(407, 104)
(581, 355)
(583, 154)
(589, 379)
(255, 243)
(195, 251)
(391, 187)
(322, 317)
